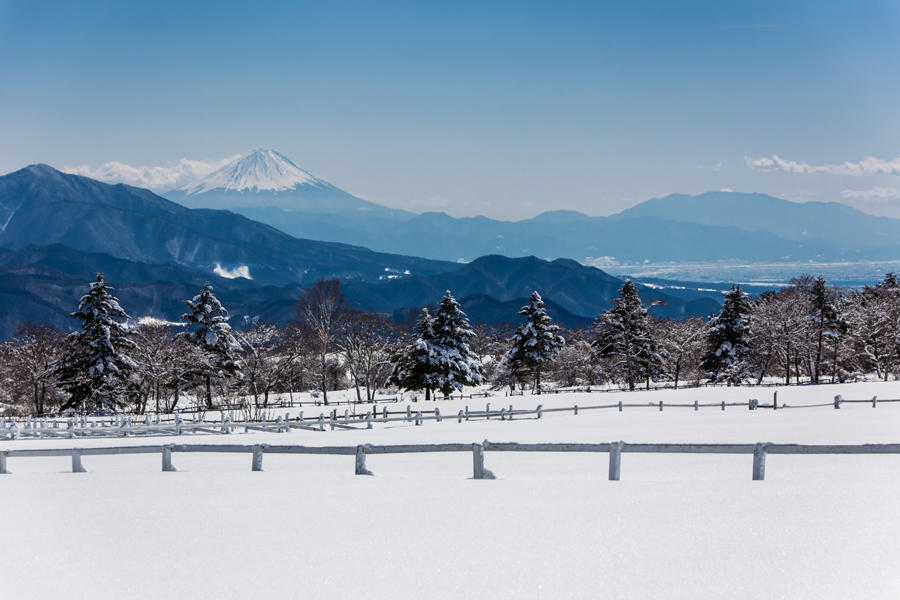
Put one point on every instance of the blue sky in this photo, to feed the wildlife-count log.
(503, 109)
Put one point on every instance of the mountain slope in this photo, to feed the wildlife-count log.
(40, 205)
(583, 291)
(267, 178)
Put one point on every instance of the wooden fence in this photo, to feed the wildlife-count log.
(614, 449)
(124, 426)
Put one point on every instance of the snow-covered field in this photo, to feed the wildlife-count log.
(550, 526)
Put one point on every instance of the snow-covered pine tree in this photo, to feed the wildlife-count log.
(456, 364)
(95, 371)
(727, 338)
(414, 368)
(208, 330)
(535, 343)
(624, 338)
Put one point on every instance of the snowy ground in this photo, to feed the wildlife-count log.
(551, 526)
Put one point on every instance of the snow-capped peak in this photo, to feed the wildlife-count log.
(263, 169)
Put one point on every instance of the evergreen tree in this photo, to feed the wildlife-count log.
(208, 330)
(96, 370)
(414, 367)
(824, 319)
(455, 363)
(624, 338)
(727, 337)
(535, 343)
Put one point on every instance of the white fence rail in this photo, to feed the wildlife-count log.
(614, 449)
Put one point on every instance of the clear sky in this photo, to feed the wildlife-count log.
(502, 109)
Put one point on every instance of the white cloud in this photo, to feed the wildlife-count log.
(726, 190)
(879, 194)
(869, 165)
(239, 271)
(161, 178)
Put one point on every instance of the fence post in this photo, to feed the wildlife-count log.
(615, 460)
(167, 465)
(467, 412)
(459, 416)
(478, 462)
(620, 406)
(696, 405)
(3, 470)
(660, 405)
(837, 401)
(723, 405)
(502, 414)
(874, 401)
(257, 457)
(510, 412)
(76, 461)
(361, 461)
(540, 410)
(487, 411)
(369, 420)
(437, 414)
(418, 418)
(759, 462)
(775, 400)
(576, 409)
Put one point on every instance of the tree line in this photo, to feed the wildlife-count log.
(805, 331)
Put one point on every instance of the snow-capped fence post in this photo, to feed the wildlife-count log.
(502, 414)
(346, 416)
(167, 465)
(437, 414)
(478, 463)
(408, 413)
(321, 422)
(539, 410)
(76, 461)
(369, 420)
(837, 401)
(874, 401)
(418, 418)
(361, 461)
(753, 404)
(487, 411)
(696, 405)
(257, 457)
(3, 470)
(615, 460)
(759, 461)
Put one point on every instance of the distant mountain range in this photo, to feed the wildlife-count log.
(716, 226)
(40, 205)
(58, 230)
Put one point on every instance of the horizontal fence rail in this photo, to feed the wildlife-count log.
(614, 449)
(124, 426)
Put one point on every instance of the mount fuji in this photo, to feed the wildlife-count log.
(265, 178)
